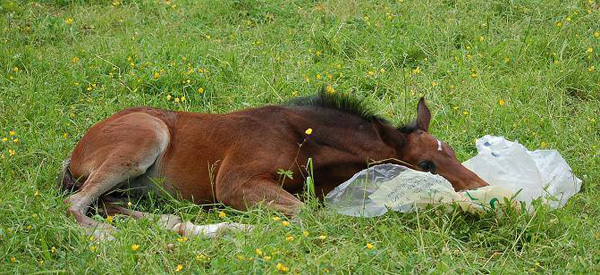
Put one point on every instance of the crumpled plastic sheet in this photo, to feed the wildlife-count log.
(514, 174)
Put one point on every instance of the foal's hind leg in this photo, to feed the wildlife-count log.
(120, 152)
(116, 169)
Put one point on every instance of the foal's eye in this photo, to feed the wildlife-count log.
(427, 166)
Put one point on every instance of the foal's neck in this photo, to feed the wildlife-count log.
(357, 138)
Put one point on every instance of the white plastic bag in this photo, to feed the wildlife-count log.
(511, 170)
(540, 174)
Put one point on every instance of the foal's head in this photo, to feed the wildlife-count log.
(427, 153)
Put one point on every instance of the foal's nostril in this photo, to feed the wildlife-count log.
(479, 183)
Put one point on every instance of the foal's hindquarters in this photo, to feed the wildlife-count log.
(114, 152)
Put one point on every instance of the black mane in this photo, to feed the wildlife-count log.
(337, 101)
(345, 103)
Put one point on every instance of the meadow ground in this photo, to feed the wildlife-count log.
(527, 70)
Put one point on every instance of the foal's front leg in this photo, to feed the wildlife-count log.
(173, 223)
(258, 190)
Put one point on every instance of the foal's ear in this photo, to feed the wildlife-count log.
(423, 115)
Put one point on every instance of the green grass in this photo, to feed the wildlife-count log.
(58, 79)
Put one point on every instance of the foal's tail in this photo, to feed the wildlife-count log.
(66, 181)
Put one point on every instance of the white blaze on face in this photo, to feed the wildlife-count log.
(439, 145)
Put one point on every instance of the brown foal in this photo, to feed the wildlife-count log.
(234, 158)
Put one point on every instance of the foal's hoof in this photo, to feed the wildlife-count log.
(238, 227)
(101, 233)
(214, 230)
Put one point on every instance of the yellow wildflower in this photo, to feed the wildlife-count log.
(135, 247)
(329, 89)
(183, 98)
(433, 84)
(75, 59)
(308, 131)
(11, 152)
(295, 93)
(267, 258)
(465, 112)
(597, 34)
(109, 219)
(507, 59)
(13, 259)
(370, 73)
(69, 21)
(179, 268)
(182, 239)
(282, 267)
(590, 50)
(15, 69)
(4, 139)
(201, 90)
(177, 99)
(543, 144)
(289, 238)
(322, 237)
(36, 193)
(369, 246)
(169, 97)
(275, 218)
(129, 204)
(12, 132)
(501, 102)
(285, 223)
(591, 69)
(222, 214)
(305, 233)
(318, 76)
(558, 24)
(258, 252)
(416, 70)
(65, 135)
(156, 75)
(93, 248)
(53, 250)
